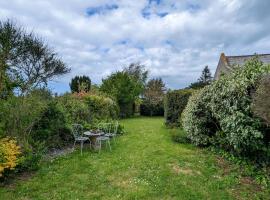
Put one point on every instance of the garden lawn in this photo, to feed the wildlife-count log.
(144, 164)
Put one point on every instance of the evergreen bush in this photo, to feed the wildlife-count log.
(174, 103)
(221, 113)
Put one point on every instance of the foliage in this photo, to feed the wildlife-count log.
(174, 103)
(74, 108)
(221, 113)
(138, 73)
(153, 98)
(179, 136)
(52, 129)
(20, 118)
(26, 62)
(80, 83)
(205, 79)
(10, 154)
(197, 120)
(149, 110)
(18, 115)
(261, 100)
(101, 107)
(124, 89)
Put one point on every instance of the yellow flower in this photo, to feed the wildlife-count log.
(9, 154)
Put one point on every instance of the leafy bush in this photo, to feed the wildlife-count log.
(10, 154)
(147, 109)
(196, 120)
(125, 89)
(221, 113)
(20, 118)
(261, 100)
(101, 107)
(75, 109)
(52, 129)
(174, 103)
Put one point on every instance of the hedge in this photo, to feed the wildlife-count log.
(174, 103)
(149, 110)
(221, 114)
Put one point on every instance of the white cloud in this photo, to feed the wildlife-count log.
(176, 39)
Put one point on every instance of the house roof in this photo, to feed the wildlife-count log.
(240, 60)
(227, 63)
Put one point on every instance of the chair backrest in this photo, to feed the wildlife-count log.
(116, 125)
(106, 127)
(77, 130)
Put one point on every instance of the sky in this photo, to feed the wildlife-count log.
(174, 39)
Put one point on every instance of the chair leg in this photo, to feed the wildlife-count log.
(109, 145)
(74, 144)
(99, 146)
(90, 143)
(114, 139)
(81, 146)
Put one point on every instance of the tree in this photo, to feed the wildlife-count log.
(122, 87)
(154, 94)
(205, 79)
(26, 62)
(80, 83)
(138, 73)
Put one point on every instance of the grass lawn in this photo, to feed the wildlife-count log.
(144, 164)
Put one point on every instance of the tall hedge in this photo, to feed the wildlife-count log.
(221, 114)
(174, 103)
(147, 109)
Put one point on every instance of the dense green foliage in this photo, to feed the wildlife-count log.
(153, 95)
(124, 89)
(138, 73)
(221, 114)
(80, 83)
(143, 164)
(261, 100)
(147, 109)
(174, 103)
(101, 107)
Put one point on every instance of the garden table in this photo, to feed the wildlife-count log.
(93, 136)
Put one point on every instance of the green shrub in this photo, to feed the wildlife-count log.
(224, 107)
(18, 117)
(75, 109)
(147, 109)
(174, 103)
(101, 107)
(197, 120)
(261, 100)
(52, 129)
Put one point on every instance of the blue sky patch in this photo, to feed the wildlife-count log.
(101, 9)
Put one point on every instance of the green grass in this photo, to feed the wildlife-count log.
(144, 164)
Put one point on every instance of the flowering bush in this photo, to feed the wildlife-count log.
(9, 155)
(224, 107)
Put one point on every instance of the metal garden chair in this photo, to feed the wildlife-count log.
(105, 139)
(112, 130)
(77, 133)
